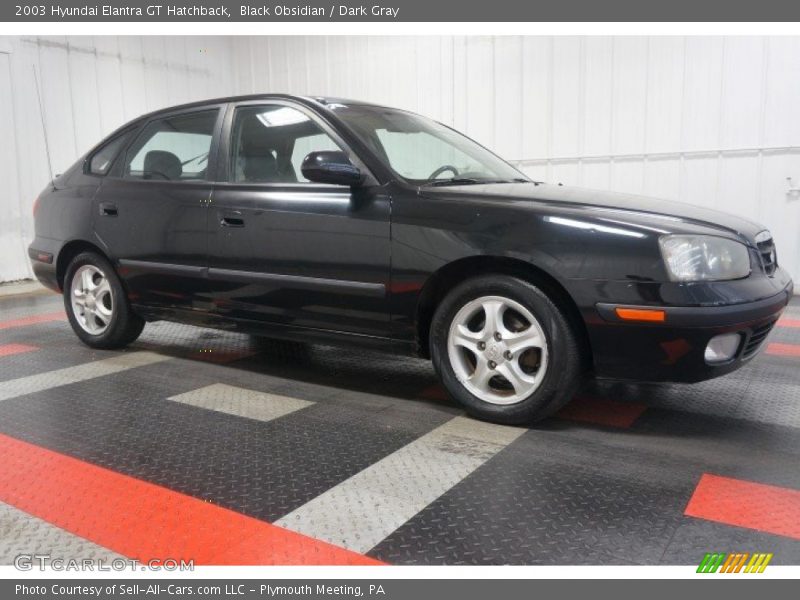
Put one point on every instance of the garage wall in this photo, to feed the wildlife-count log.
(88, 86)
(707, 120)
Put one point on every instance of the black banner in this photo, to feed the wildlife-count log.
(399, 11)
(388, 589)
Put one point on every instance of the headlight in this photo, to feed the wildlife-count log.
(704, 258)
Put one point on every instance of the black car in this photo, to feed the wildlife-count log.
(330, 220)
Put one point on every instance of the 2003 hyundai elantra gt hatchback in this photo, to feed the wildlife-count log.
(338, 221)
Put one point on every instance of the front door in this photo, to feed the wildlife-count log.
(285, 251)
(151, 213)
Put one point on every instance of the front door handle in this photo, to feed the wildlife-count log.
(108, 209)
(232, 218)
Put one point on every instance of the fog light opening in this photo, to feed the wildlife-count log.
(722, 348)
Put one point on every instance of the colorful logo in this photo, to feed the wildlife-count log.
(737, 562)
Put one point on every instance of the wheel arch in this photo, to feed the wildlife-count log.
(453, 273)
(69, 251)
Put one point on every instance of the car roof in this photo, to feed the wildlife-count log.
(321, 100)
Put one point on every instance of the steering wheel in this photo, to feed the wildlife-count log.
(444, 169)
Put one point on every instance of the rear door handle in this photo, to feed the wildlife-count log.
(231, 218)
(108, 209)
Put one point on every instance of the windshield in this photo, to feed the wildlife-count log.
(422, 151)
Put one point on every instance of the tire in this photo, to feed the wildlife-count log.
(537, 348)
(114, 324)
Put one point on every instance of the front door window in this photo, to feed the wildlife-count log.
(269, 143)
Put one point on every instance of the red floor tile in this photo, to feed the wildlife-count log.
(33, 320)
(602, 411)
(11, 349)
(783, 349)
(148, 522)
(786, 322)
(756, 506)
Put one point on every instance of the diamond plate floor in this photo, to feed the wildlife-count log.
(332, 443)
(22, 534)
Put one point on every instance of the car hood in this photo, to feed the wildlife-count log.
(637, 209)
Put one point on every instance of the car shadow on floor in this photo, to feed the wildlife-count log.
(345, 369)
(711, 410)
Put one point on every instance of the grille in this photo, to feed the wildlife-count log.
(766, 249)
(756, 339)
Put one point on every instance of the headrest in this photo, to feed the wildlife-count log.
(260, 168)
(159, 164)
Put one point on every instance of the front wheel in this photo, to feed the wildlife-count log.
(97, 307)
(504, 350)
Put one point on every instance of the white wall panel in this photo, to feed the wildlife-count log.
(598, 113)
(630, 95)
(701, 178)
(55, 87)
(537, 96)
(563, 171)
(596, 174)
(32, 170)
(566, 99)
(459, 83)
(783, 217)
(662, 177)
(84, 96)
(110, 102)
(479, 92)
(507, 96)
(88, 87)
(738, 187)
(13, 251)
(627, 175)
(317, 69)
(133, 79)
(708, 120)
(664, 109)
(782, 82)
(156, 78)
(742, 110)
(702, 89)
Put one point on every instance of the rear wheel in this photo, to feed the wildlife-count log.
(504, 350)
(96, 304)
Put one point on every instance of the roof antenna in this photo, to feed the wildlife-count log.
(44, 127)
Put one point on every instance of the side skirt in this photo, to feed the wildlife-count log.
(277, 330)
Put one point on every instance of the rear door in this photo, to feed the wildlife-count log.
(287, 251)
(150, 212)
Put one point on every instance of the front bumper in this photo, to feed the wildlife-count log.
(673, 350)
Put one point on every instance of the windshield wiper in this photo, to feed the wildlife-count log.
(473, 181)
(517, 180)
(454, 181)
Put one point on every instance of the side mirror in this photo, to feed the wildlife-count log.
(331, 166)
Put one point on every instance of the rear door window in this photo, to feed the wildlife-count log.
(175, 148)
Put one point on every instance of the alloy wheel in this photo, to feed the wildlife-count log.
(498, 350)
(92, 301)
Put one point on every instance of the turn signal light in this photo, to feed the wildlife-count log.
(641, 314)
